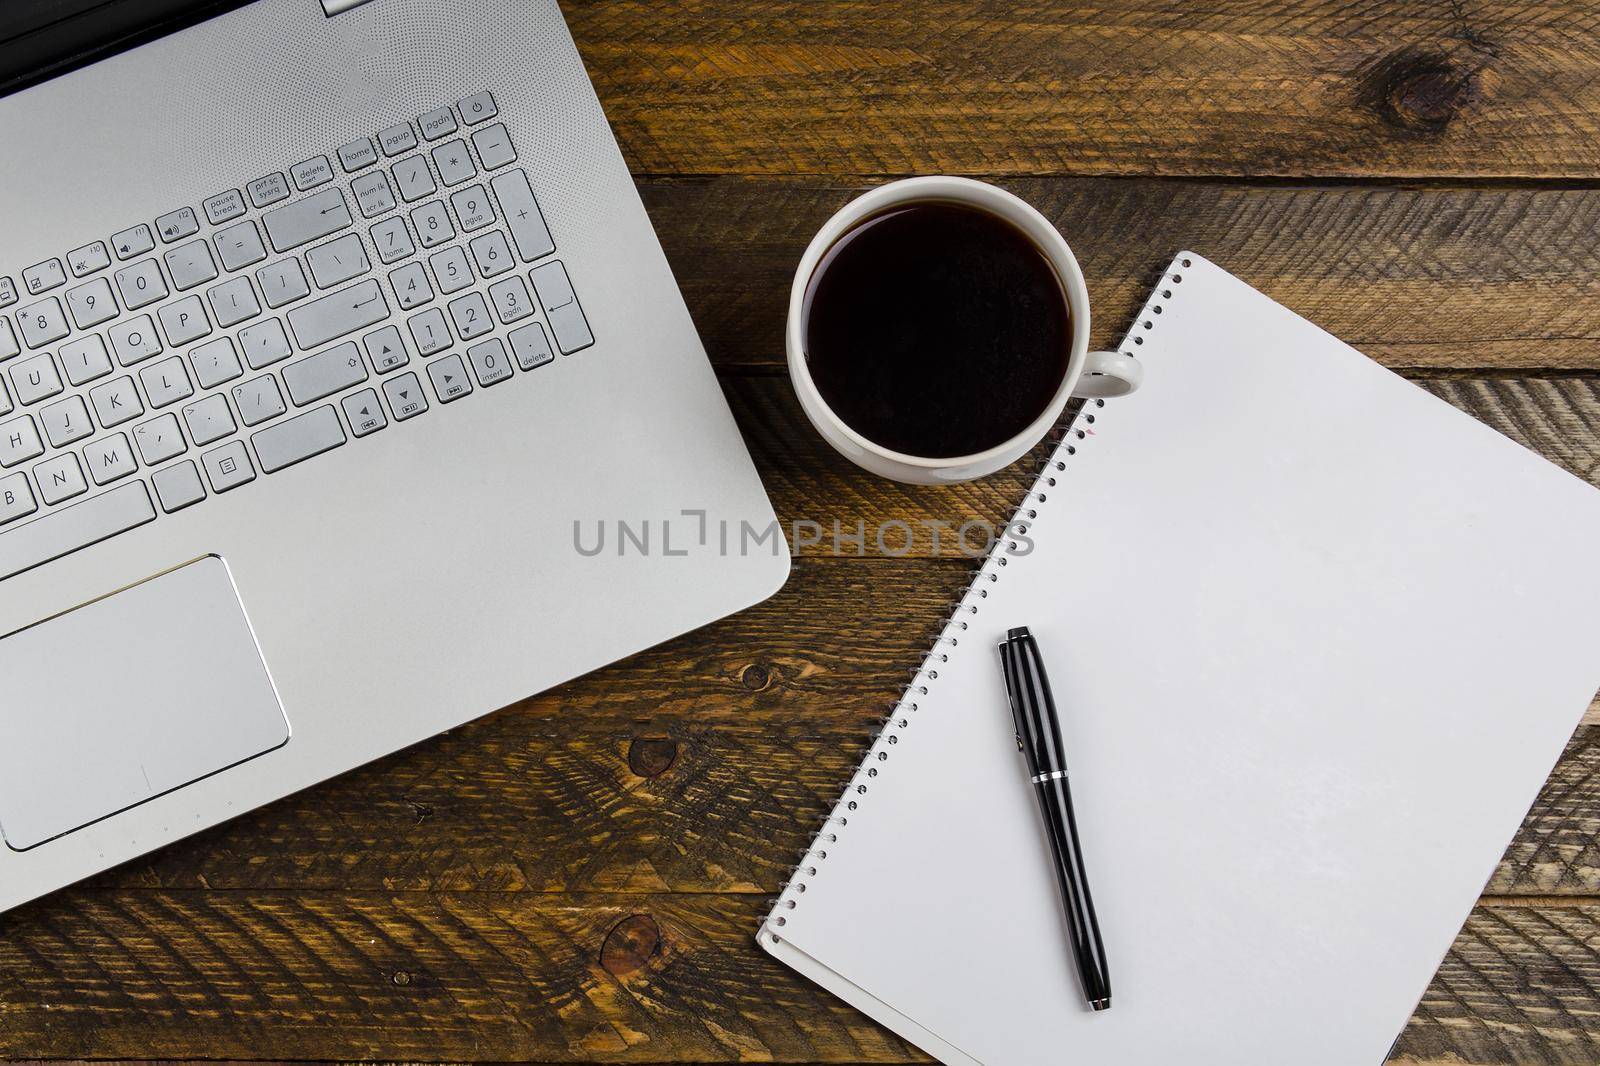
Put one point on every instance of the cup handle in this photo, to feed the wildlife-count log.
(1108, 374)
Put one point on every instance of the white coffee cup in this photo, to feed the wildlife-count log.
(1098, 374)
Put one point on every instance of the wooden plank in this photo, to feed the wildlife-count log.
(1120, 86)
(645, 978)
(1434, 278)
(204, 975)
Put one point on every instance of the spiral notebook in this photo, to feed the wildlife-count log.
(1317, 639)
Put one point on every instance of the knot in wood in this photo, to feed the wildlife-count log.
(756, 677)
(630, 945)
(1420, 92)
(652, 756)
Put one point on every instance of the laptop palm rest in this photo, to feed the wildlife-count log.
(126, 698)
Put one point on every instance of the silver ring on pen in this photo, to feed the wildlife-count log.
(1053, 775)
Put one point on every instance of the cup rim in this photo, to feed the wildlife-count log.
(983, 196)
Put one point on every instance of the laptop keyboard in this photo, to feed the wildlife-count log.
(186, 356)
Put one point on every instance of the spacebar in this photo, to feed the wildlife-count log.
(72, 528)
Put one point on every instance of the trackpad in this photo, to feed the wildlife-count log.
(123, 699)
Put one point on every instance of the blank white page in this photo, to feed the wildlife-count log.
(1317, 639)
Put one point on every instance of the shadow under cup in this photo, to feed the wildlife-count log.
(936, 329)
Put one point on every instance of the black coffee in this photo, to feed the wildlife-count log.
(937, 330)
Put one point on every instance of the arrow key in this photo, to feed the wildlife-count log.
(405, 396)
(364, 413)
(450, 379)
(386, 350)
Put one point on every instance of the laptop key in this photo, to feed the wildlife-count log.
(178, 224)
(316, 376)
(86, 260)
(92, 304)
(224, 207)
(35, 379)
(184, 321)
(259, 400)
(521, 211)
(364, 412)
(338, 261)
(494, 146)
(42, 322)
(357, 154)
(19, 441)
(60, 479)
(159, 439)
(166, 382)
(300, 438)
(311, 173)
(283, 283)
(228, 467)
(85, 359)
(489, 362)
(209, 420)
(267, 191)
(392, 240)
(450, 379)
(178, 487)
(405, 396)
(215, 362)
(9, 348)
(320, 321)
(240, 246)
(16, 498)
(436, 124)
(42, 277)
(116, 402)
(140, 284)
(373, 194)
(454, 162)
(307, 220)
(561, 307)
(190, 265)
(531, 347)
(73, 528)
(66, 422)
(386, 350)
(413, 178)
(479, 107)
(132, 242)
(264, 343)
(397, 139)
(233, 302)
(109, 459)
(134, 340)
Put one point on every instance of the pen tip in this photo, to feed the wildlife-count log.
(1101, 1004)
(1017, 633)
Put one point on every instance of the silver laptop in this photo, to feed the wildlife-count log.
(345, 396)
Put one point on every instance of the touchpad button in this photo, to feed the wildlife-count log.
(121, 700)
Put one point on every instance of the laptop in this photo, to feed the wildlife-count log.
(345, 396)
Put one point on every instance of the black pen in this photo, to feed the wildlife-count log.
(1039, 739)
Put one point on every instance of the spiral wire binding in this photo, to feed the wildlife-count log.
(1063, 441)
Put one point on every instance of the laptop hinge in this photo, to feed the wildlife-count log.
(339, 7)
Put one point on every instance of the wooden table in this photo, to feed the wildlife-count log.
(579, 876)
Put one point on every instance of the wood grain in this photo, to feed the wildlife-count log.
(1147, 87)
(353, 975)
(645, 978)
(1440, 279)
